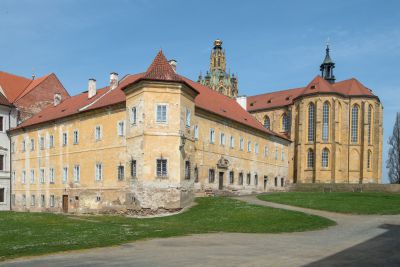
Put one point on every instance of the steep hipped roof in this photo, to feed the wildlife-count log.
(207, 99)
(318, 85)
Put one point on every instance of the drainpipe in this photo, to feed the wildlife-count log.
(9, 137)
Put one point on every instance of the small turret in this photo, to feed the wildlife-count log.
(327, 67)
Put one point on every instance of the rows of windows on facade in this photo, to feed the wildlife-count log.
(311, 130)
(161, 163)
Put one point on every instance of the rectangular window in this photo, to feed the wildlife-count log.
(1, 123)
(13, 147)
(162, 168)
(256, 179)
(248, 178)
(33, 200)
(188, 117)
(51, 175)
(241, 144)
(23, 177)
(32, 144)
(98, 132)
(133, 115)
(77, 173)
(232, 142)
(133, 168)
(241, 178)
(51, 141)
(211, 176)
(266, 152)
(231, 177)
(212, 136)
(23, 145)
(41, 176)
(33, 176)
(121, 172)
(99, 172)
(52, 201)
(2, 196)
(42, 201)
(283, 155)
(41, 142)
(187, 170)
(196, 132)
(64, 139)
(65, 175)
(222, 139)
(121, 128)
(24, 200)
(256, 148)
(161, 113)
(276, 153)
(2, 163)
(76, 137)
(249, 146)
(196, 175)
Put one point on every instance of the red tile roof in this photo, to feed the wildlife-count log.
(4, 101)
(15, 87)
(346, 88)
(207, 99)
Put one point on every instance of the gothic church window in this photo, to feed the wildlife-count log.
(311, 122)
(325, 122)
(325, 158)
(369, 159)
(285, 123)
(310, 158)
(354, 124)
(369, 124)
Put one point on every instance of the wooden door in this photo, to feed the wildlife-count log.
(221, 181)
(65, 203)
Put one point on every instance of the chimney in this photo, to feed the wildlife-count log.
(57, 99)
(91, 88)
(172, 62)
(242, 100)
(113, 80)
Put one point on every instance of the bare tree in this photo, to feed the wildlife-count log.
(393, 162)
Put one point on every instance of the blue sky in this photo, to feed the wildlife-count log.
(272, 45)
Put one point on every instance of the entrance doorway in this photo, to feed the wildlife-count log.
(65, 203)
(265, 182)
(221, 181)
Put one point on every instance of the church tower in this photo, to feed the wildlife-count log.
(216, 77)
(327, 67)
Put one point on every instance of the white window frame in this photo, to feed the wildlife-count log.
(65, 175)
(51, 175)
(98, 171)
(162, 173)
(232, 142)
(196, 132)
(133, 115)
(121, 174)
(222, 139)
(98, 133)
(64, 139)
(75, 140)
(42, 174)
(256, 148)
(77, 173)
(51, 141)
(188, 117)
(33, 200)
(23, 177)
(121, 128)
(161, 120)
(32, 176)
(241, 143)
(41, 143)
(212, 136)
(3, 121)
(249, 146)
(32, 144)
(52, 201)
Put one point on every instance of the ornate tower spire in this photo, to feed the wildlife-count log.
(217, 58)
(217, 78)
(327, 67)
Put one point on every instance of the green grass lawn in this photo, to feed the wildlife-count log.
(356, 203)
(23, 234)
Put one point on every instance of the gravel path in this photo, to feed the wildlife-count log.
(356, 240)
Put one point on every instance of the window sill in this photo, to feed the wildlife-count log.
(161, 177)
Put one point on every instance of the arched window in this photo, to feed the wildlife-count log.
(369, 124)
(267, 122)
(310, 158)
(354, 124)
(285, 123)
(221, 90)
(369, 159)
(325, 122)
(325, 158)
(311, 122)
